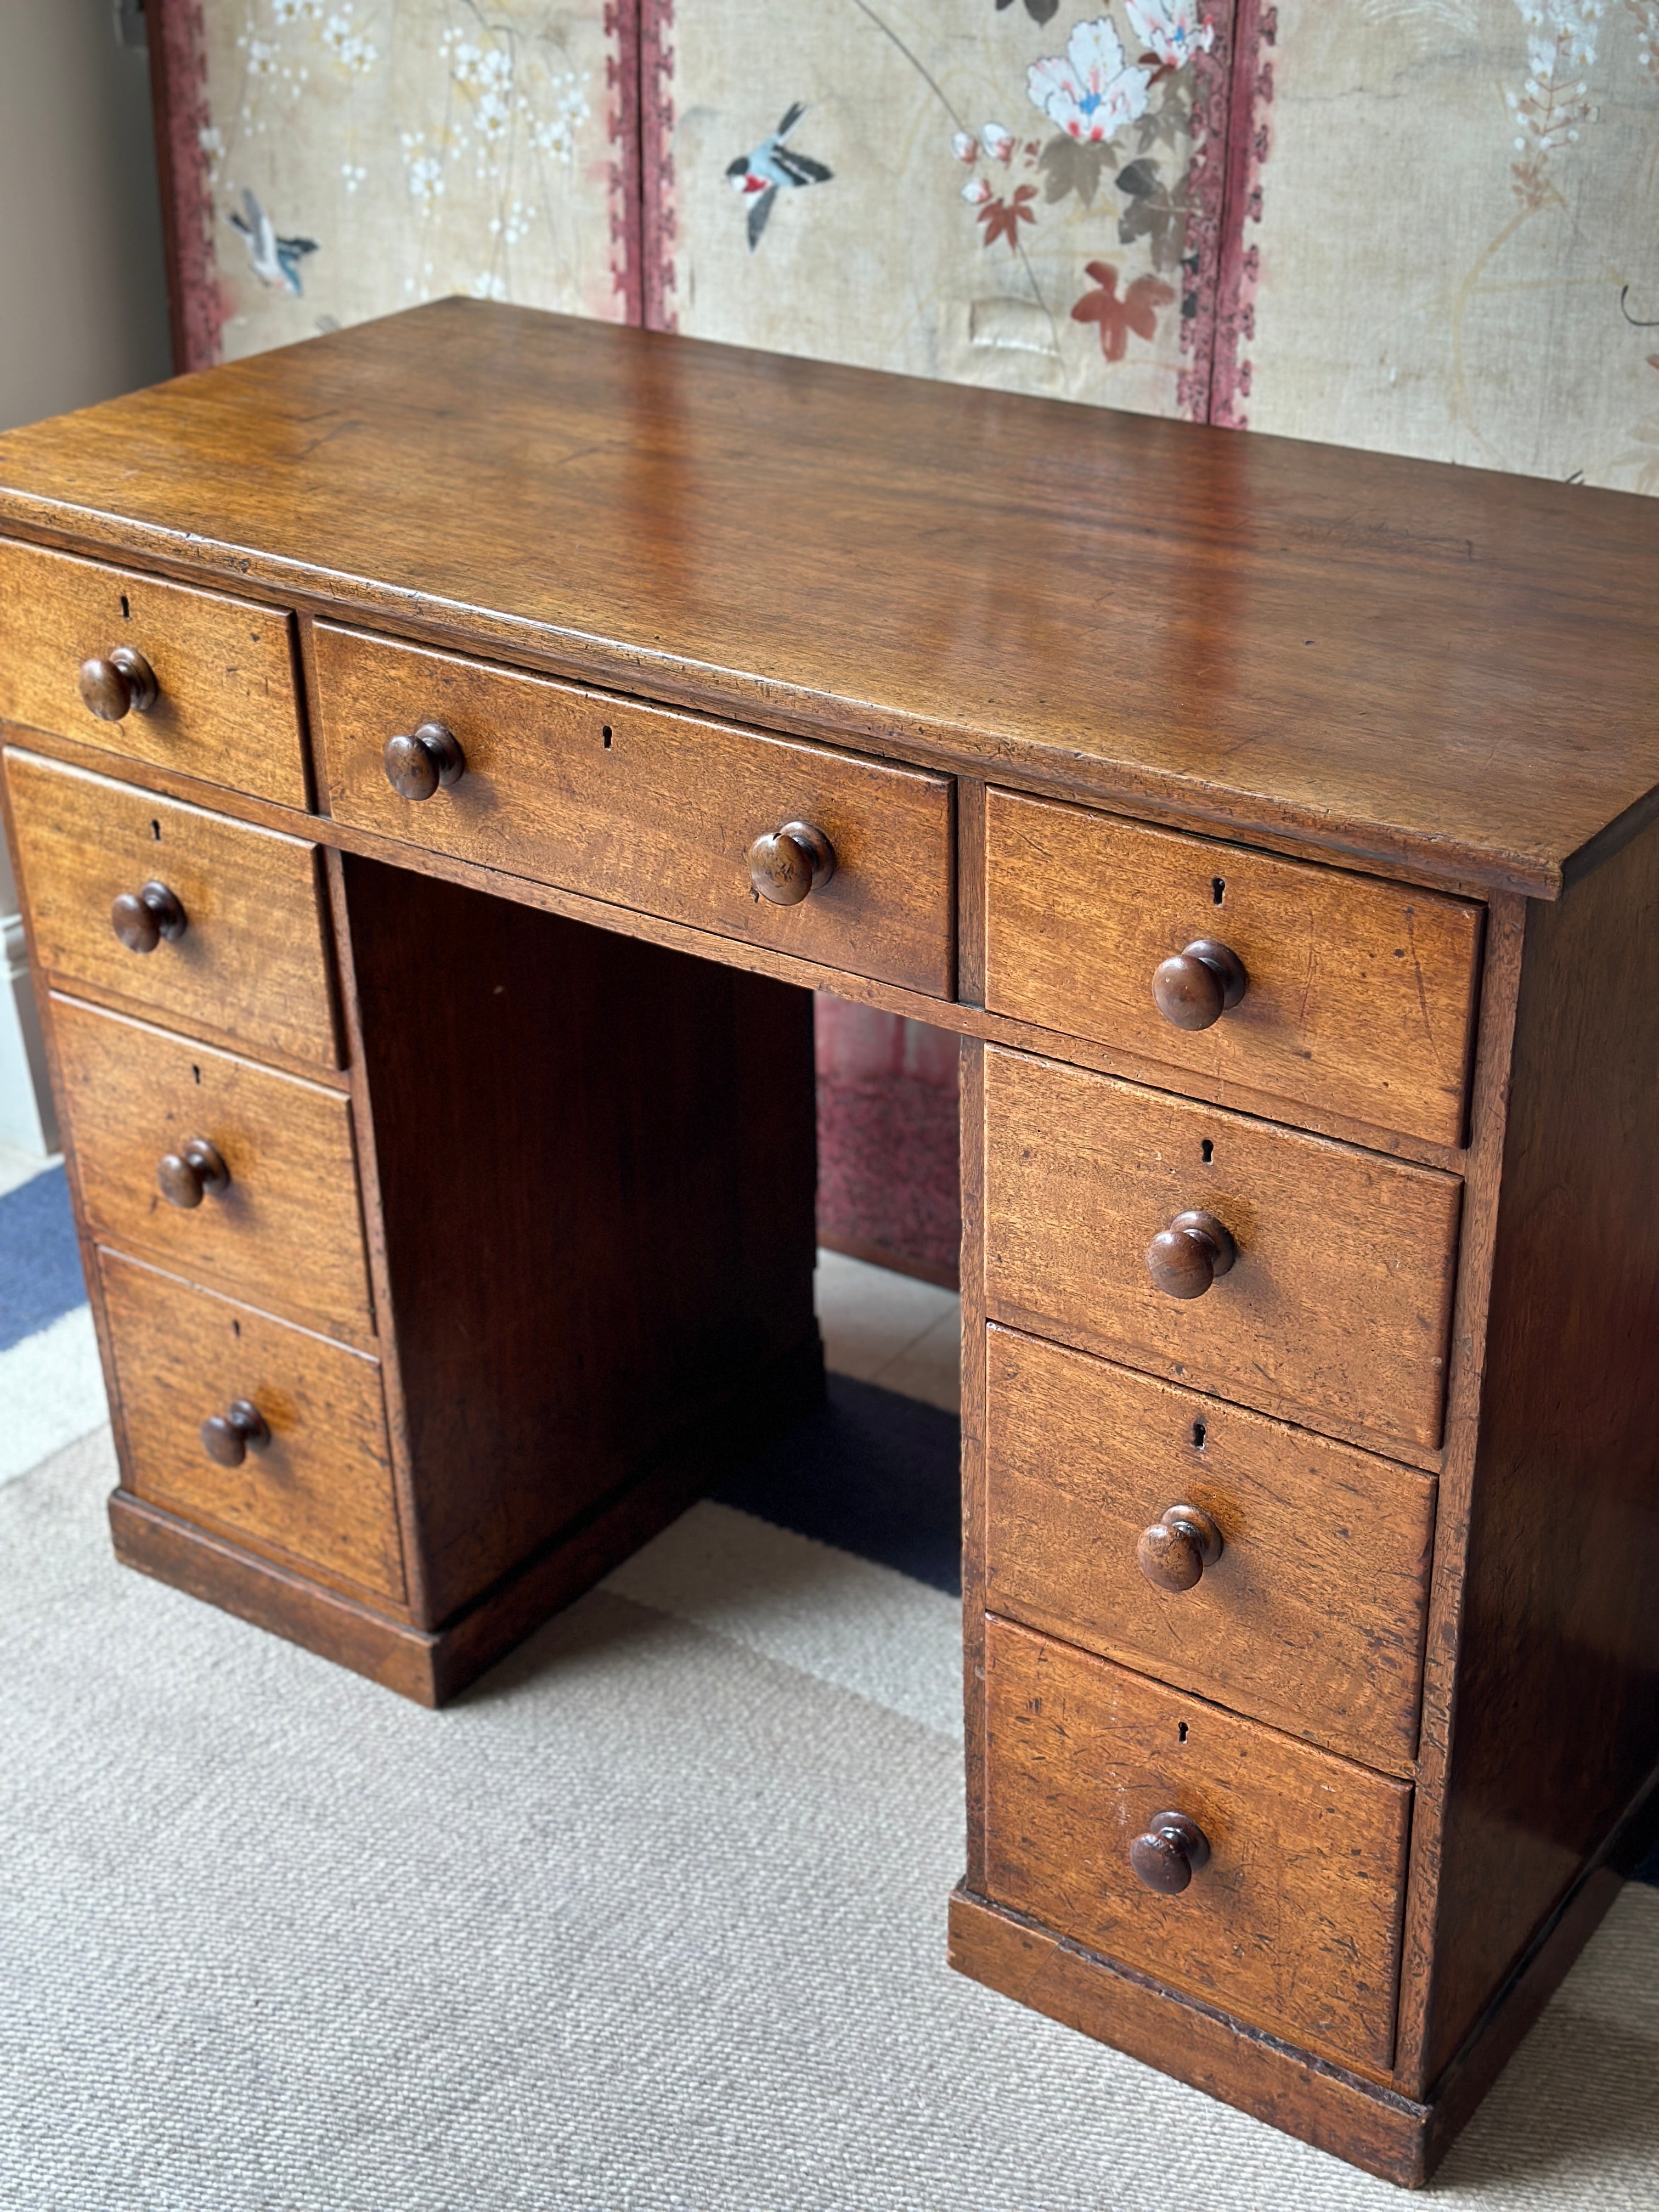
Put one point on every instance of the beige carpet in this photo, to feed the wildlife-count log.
(655, 1919)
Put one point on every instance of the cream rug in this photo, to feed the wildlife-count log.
(653, 1918)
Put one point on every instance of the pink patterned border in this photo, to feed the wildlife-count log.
(1249, 139)
(1207, 176)
(658, 228)
(621, 76)
(178, 94)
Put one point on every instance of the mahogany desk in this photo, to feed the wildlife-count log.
(439, 758)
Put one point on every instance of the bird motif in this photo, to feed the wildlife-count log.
(771, 167)
(275, 260)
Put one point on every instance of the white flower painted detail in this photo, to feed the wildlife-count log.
(1170, 30)
(1091, 91)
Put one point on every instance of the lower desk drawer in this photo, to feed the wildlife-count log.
(645, 808)
(285, 1228)
(1291, 1923)
(318, 1489)
(1312, 1615)
(1336, 1311)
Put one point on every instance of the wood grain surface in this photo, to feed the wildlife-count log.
(1555, 1725)
(287, 1233)
(601, 1228)
(1390, 657)
(1294, 1923)
(320, 1490)
(1311, 1619)
(1360, 998)
(227, 709)
(252, 963)
(1337, 1309)
(645, 809)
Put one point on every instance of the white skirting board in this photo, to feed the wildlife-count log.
(26, 1119)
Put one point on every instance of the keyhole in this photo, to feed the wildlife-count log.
(1217, 889)
(605, 734)
(1206, 1151)
(126, 611)
(155, 831)
(197, 1073)
(1199, 1434)
(1181, 1732)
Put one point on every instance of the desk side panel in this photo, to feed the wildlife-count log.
(1555, 1725)
(596, 1171)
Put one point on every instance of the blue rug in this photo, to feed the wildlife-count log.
(39, 1261)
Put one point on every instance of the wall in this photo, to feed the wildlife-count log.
(81, 277)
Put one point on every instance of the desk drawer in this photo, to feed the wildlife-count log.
(224, 708)
(1337, 1307)
(1311, 1616)
(647, 809)
(283, 1229)
(249, 962)
(318, 1488)
(1359, 996)
(1293, 1922)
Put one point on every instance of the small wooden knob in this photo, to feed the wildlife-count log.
(187, 1174)
(787, 864)
(1185, 1258)
(227, 1438)
(1175, 1551)
(1195, 988)
(1171, 1851)
(122, 683)
(415, 766)
(142, 918)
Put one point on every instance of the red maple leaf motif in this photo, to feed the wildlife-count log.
(1002, 218)
(1136, 311)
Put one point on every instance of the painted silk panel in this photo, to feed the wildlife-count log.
(1012, 194)
(335, 160)
(1451, 234)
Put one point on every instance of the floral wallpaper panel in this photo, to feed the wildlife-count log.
(1007, 192)
(345, 158)
(1450, 245)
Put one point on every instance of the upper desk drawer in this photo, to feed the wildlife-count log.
(221, 924)
(224, 707)
(1359, 995)
(645, 808)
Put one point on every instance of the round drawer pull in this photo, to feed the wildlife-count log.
(186, 1176)
(122, 683)
(1175, 1551)
(1185, 1258)
(142, 918)
(417, 766)
(227, 1438)
(1170, 1852)
(787, 864)
(1196, 988)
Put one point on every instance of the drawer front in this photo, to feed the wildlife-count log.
(1338, 1306)
(249, 961)
(319, 1490)
(1312, 1615)
(225, 706)
(1359, 998)
(647, 809)
(1293, 1920)
(284, 1229)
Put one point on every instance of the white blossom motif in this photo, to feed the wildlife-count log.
(1090, 91)
(1170, 30)
(1553, 103)
(350, 47)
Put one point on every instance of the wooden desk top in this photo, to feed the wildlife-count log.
(1444, 669)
